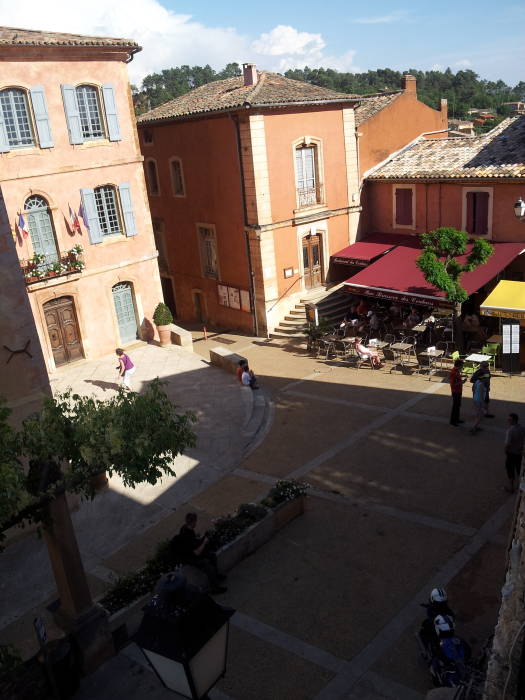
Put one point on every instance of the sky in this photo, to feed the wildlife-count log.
(482, 35)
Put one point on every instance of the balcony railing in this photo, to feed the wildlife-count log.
(42, 267)
(309, 196)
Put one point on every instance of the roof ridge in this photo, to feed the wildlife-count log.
(257, 88)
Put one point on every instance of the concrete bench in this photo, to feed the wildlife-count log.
(225, 359)
(182, 337)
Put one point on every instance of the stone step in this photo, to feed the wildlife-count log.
(288, 330)
(277, 334)
(300, 313)
(293, 322)
(298, 318)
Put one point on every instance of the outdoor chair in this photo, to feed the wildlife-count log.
(361, 359)
(391, 359)
(326, 347)
(389, 338)
(491, 354)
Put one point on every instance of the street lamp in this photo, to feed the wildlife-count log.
(184, 637)
(519, 209)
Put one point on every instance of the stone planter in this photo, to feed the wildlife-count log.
(164, 335)
(285, 512)
(125, 622)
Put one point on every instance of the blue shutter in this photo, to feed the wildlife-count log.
(4, 141)
(111, 112)
(90, 209)
(69, 95)
(127, 209)
(38, 100)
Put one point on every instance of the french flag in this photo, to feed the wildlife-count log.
(83, 216)
(75, 223)
(22, 226)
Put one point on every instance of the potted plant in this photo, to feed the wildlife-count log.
(162, 318)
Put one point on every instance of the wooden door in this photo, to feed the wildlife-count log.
(313, 260)
(63, 330)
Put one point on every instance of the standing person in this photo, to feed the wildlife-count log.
(514, 441)
(479, 393)
(456, 388)
(483, 373)
(125, 368)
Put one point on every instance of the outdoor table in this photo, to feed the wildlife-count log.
(379, 345)
(432, 358)
(402, 349)
(420, 328)
(495, 339)
(475, 357)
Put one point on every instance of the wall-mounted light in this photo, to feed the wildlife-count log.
(519, 209)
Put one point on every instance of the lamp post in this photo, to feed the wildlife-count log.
(519, 209)
(184, 637)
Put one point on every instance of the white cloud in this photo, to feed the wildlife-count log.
(438, 66)
(464, 63)
(395, 16)
(170, 39)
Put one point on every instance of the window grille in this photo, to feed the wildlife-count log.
(15, 113)
(90, 112)
(308, 192)
(107, 210)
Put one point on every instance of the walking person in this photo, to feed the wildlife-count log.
(514, 441)
(125, 368)
(456, 388)
(483, 373)
(479, 393)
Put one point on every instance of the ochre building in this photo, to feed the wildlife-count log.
(73, 191)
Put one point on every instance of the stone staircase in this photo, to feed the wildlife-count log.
(332, 305)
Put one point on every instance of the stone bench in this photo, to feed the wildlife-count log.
(225, 359)
(182, 337)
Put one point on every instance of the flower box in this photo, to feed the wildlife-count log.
(286, 512)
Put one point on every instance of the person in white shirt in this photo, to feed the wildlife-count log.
(248, 378)
(368, 353)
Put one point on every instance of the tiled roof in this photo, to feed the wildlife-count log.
(498, 154)
(224, 95)
(372, 104)
(11, 36)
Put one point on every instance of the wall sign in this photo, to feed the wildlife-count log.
(234, 298)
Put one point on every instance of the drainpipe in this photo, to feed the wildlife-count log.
(251, 282)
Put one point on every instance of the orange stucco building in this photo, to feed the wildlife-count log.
(73, 189)
(254, 183)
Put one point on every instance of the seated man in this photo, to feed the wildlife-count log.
(248, 378)
(195, 551)
(412, 319)
(368, 353)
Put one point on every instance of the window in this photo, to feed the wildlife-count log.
(160, 243)
(477, 206)
(152, 177)
(108, 211)
(41, 230)
(306, 170)
(18, 108)
(404, 207)
(208, 251)
(108, 215)
(147, 136)
(177, 178)
(91, 113)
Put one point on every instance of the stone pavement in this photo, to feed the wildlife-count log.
(400, 502)
(119, 514)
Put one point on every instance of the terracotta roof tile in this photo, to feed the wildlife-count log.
(11, 36)
(224, 95)
(372, 104)
(500, 153)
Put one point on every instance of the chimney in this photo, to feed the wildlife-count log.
(408, 83)
(249, 71)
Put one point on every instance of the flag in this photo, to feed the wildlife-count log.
(82, 214)
(23, 226)
(75, 223)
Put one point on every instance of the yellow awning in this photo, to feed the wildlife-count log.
(507, 300)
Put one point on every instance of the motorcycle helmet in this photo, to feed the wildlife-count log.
(438, 595)
(443, 625)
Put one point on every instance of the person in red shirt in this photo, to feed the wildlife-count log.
(456, 387)
(363, 308)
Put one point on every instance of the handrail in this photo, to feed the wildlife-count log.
(284, 293)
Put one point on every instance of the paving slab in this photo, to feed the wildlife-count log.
(333, 576)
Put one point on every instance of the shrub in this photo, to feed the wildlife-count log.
(162, 315)
(283, 491)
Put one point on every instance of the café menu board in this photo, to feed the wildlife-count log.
(234, 298)
(511, 338)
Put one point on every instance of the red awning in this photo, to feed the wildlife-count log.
(396, 276)
(370, 248)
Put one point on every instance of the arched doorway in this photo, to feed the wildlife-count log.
(63, 330)
(41, 229)
(124, 301)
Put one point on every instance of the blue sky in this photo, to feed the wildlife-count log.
(484, 35)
